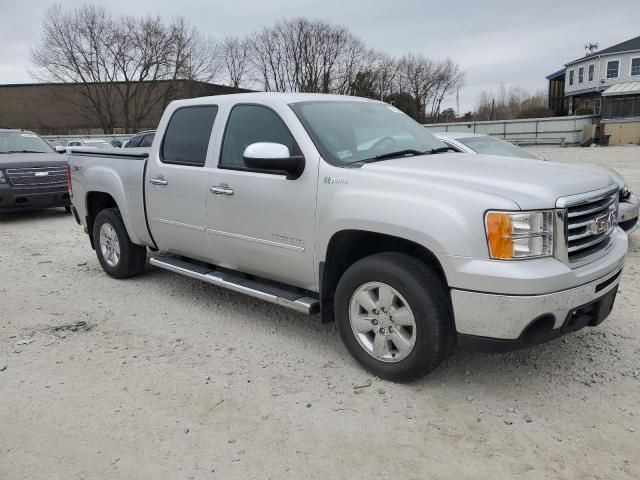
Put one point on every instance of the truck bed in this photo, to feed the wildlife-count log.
(118, 173)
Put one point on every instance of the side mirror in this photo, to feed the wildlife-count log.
(275, 158)
(60, 149)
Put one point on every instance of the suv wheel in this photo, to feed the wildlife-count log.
(118, 256)
(393, 314)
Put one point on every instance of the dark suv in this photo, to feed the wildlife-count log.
(32, 174)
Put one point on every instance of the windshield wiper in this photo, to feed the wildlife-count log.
(387, 156)
(439, 150)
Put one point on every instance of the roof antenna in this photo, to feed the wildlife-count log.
(591, 47)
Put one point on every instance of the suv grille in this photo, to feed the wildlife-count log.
(589, 225)
(37, 176)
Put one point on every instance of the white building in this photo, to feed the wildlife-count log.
(607, 82)
(613, 72)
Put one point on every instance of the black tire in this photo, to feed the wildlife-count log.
(67, 209)
(428, 299)
(132, 258)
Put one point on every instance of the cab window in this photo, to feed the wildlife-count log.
(187, 136)
(249, 124)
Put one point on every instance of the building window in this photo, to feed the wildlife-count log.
(581, 75)
(571, 72)
(597, 106)
(635, 66)
(613, 68)
(627, 106)
(592, 69)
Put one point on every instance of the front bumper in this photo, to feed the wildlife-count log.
(628, 214)
(537, 305)
(527, 320)
(46, 196)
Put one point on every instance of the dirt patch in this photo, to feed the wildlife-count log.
(64, 330)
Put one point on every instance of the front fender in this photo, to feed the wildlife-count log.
(447, 228)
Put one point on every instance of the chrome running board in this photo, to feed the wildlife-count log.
(304, 303)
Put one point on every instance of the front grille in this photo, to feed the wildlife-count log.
(590, 224)
(37, 176)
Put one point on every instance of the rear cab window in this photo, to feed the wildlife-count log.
(187, 136)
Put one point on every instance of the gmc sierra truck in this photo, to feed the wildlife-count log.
(348, 207)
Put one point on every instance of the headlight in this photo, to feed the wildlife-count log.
(2, 179)
(519, 235)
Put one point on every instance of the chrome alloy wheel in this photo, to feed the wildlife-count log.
(109, 245)
(382, 322)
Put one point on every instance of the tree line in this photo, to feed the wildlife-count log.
(512, 102)
(123, 67)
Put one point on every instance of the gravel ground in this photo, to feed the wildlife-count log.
(165, 377)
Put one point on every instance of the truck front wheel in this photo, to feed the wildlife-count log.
(394, 316)
(118, 256)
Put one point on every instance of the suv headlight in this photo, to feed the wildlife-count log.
(519, 235)
(2, 179)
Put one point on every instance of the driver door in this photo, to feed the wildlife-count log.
(259, 222)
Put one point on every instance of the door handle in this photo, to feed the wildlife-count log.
(159, 181)
(222, 189)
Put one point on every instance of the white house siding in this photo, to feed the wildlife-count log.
(600, 75)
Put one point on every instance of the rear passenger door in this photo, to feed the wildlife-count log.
(176, 183)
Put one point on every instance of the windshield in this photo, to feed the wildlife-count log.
(495, 146)
(347, 132)
(23, 142)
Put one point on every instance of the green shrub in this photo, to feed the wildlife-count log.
(584, 111)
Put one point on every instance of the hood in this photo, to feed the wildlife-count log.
(602, 170)
(531, 184)
(31, 160)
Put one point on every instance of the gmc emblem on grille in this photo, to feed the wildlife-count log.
(602, 223)
(42, 174)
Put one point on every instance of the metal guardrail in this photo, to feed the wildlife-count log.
(123, 137)
(552, 130)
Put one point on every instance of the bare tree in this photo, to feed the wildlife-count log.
(268, 57)
(235, 56)
(120, 68)
(72, 50)
(512, 102)
(449, 79)
(387, 74)
(126, 67)
(305, 55)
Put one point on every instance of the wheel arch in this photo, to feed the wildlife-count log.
(348, 246)
(95, 202)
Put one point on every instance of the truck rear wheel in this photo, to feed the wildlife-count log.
(393, 314)
(119, 257)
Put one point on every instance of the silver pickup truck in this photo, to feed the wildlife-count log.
(347, 207)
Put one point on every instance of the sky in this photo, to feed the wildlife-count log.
(495, 42)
